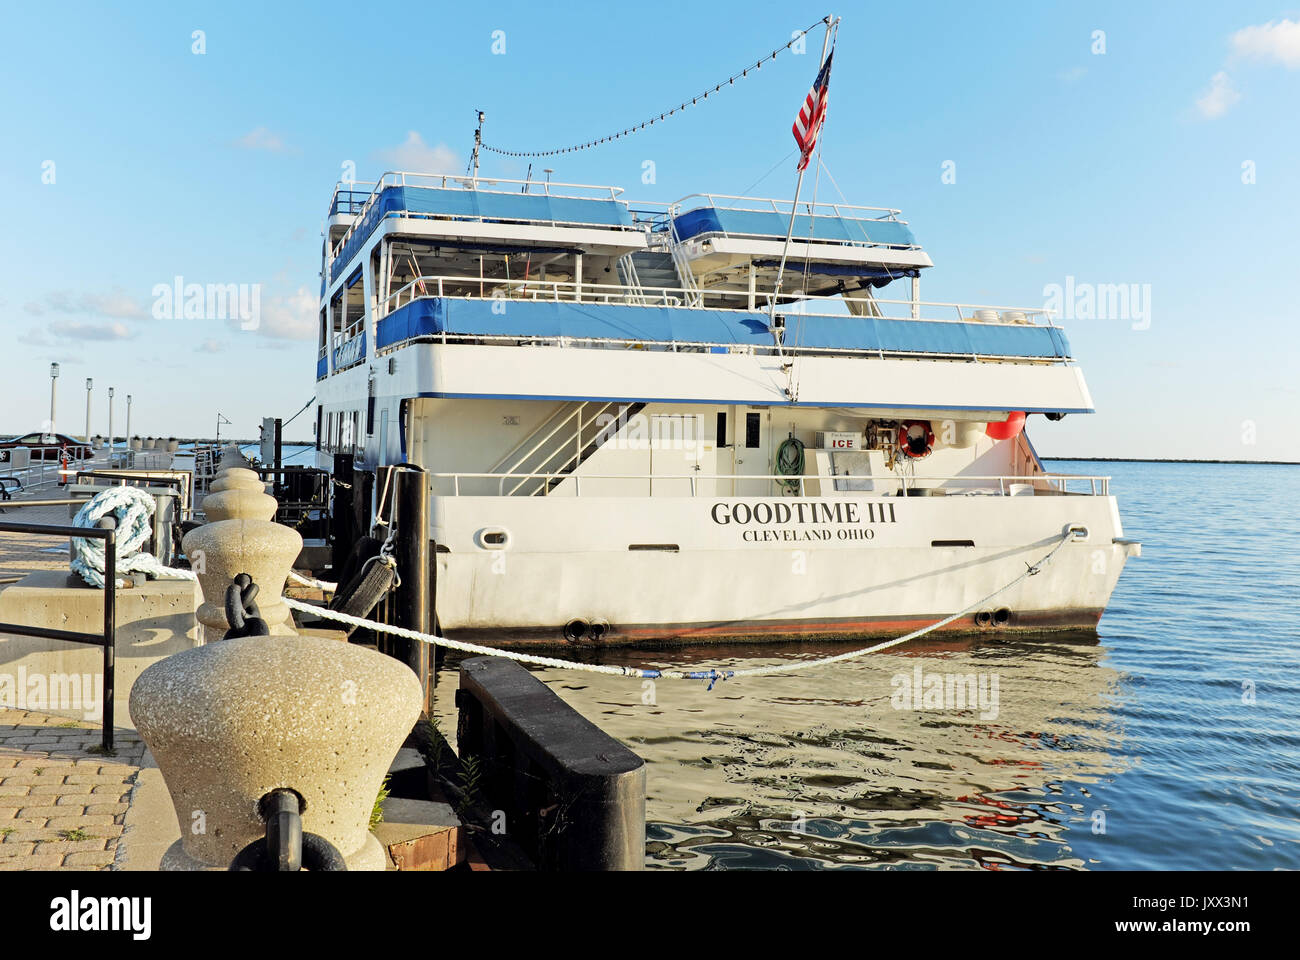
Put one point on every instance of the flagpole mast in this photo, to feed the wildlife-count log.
(794, 207)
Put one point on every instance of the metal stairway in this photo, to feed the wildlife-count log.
(656, 271)
(602, 435)
(682, 263)
(562, 443)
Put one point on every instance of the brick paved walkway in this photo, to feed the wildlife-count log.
(62, 804)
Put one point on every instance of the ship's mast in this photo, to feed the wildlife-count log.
(478, 142)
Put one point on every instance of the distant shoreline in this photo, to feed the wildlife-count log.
(1258, 463)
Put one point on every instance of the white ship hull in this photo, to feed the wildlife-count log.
(688, 570)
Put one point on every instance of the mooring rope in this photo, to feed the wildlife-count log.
(713, 676)
(313, 582)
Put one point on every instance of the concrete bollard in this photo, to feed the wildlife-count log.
(237, 478)
(231, 457)
(239, 504)
(231, 722)
(219, 552)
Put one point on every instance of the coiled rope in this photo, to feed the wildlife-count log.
(713, 676)
(132, 511)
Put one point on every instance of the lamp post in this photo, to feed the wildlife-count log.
(128, 421)
(112, 441)
(90, 385)
(54, 380)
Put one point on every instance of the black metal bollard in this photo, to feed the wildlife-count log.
(572, 795)
(410, 607)
(343, 525)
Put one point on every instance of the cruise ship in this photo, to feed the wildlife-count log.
(632, 434)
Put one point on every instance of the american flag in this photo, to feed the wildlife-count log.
(809, 122)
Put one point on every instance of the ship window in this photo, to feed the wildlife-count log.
(752, 424)
(319, 413)
(722, 428)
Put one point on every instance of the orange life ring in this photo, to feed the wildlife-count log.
(915, 439)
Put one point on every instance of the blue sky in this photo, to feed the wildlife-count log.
(1115, 167)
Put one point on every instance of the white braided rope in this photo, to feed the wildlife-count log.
(133, 510)
(313, 582)
(787, 667)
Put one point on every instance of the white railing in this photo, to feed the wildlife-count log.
(342, 337)
(1045, 483)
(586, 292)
(38, 472)
(631, 280)
(773, 205)
(442, 181)
(568, 447)
(694, 296)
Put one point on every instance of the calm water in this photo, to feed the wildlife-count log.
(1137, 752)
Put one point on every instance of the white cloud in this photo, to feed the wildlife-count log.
(115, 303)
(292, 317)
(79, 330)
(262, 139)
(416, 156)
(1269, 42)
(1219, 97)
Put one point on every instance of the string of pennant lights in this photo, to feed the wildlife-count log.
(636, 127)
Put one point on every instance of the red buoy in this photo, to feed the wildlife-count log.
(1009, 428)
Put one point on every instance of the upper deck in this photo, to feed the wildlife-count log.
(465, 208)
(708, 235)
(468, 261)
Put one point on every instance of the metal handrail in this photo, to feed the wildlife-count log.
(562, 448)
(108, 638)
(43, 470)
(774, 203)
(653, 294)
(694, 295)
(351, 332)
(399, 179)
(1098, 485)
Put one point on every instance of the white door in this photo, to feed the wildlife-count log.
(676, 454)
(751, 441)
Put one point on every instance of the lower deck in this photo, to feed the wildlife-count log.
(503, 446)
(560, 522)
(545, 571)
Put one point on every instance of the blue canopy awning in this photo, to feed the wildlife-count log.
(550, 318)
(434, 316)
(482, 205)
(771, 223)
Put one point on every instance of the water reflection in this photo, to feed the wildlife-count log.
(836, 768)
